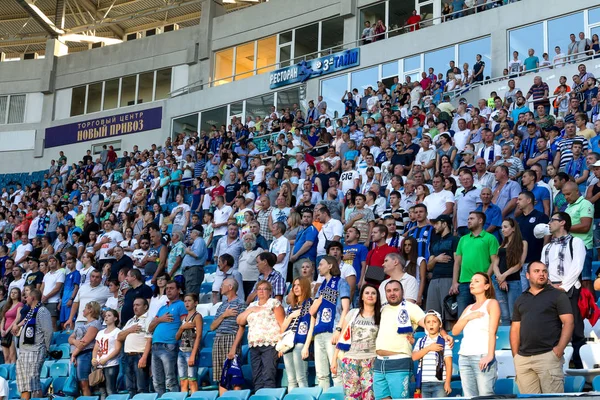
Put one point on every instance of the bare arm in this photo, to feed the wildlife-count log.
(515, 339)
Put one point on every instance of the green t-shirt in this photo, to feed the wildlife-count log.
(476, 252)
(582, 208)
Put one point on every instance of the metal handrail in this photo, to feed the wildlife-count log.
(385, 35)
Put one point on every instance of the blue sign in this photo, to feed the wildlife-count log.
(312, 68)
(104, 128)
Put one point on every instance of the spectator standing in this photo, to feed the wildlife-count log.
(10, 311)
(164, 344)
(107, 353)
(34, 343)
(264, 318)
(228, 334)
(466, 200)
(52, 285)
(542, 326)
(376, 256)
(331, 230)
(532, 62)
(189, 335)
(565, 261)
(265, 262)
(280, 246)
(479, 324)
(82, 342)
(247, 263)
(94, 292)
(193, 262)
(226, 270)
(230, 244)
(505, 191)
(475, 252)
(305, 245)
(330, 307)
(137, 289)
(360, 329)
(507, 268)
(299, 321)
(136, 348)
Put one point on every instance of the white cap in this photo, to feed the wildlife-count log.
(541, 230)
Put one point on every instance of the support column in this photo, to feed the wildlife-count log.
(348, 10)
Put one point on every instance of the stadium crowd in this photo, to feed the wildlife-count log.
(335, 244)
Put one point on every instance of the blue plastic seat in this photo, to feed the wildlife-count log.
(206, 287)
(13, 390)
(208, 339)
(276, 392)
(312, 391)
(299, 396)
(596, 384)
(332, 396)
(210, 269)
(118, 397)
(88, 398)
(208, 320)
(66, 350)
(574, 384)
(59, 368)
(58, 384)
(12, 371)
(262, 397)
(503, 338)
(205, 395)
(206, 357)
(4, 372)
(46, 382)
(60, 337)
(145, 396)
(456, 387)
(174, 396)
(243, 394)
(335, 389)
(506, 386)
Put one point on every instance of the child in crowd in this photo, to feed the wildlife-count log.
(435, 359)
(189, 334)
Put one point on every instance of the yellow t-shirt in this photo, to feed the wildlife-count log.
(587, 133)
(388, 337)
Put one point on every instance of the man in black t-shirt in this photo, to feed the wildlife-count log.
(542, 326)
(232, 189)
(527, 220)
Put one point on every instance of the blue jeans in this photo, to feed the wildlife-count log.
(184, 370)
(164, 368)
(431, 390)
(590, 255)
(524, 280)
(476, 382)
(296, 367)
(507, 299)
(110, 381)
(84, 365)
(137, 379)
(464, 297)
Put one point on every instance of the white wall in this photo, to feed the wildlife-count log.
(33, 107)
(15, 141)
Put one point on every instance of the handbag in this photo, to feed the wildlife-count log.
(374, 274)
(96, 377)
(6, 340)
(286, 343)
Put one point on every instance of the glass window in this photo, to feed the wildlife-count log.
(332, 91)
(439, 60)
(289, 98)
(189, 123)
(468, 51)
(412, 63)
(260, 106)
(128, 90)
(266, 54)
(236, 108)
(78, 101)
(399, 11)
(146, 87)
(371, 14)
(285, 53)
(523, 39)
(216, 116)
(111, 94)
(244, 61)
(163, 84)
(389, 69)
(94, 99)
(594, 15)
(223, 66)
(559, 30)
(3, 106)
(306, 43)
(16, 109)
(363, 79)
(332, 34)
(285, 37)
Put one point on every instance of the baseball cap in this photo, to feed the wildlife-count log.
(443, 218)
(541, 230)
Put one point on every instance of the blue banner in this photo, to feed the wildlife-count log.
(104, 128)
(312, 68)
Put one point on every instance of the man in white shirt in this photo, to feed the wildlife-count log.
(52, 285)
(19, 280)
(559, 59)
(425, 158)
(180, 214)
(332, 230)
(95, 291)
(22, 252)
(106, 242)
(349, 179)
(125, 202)
(392, 266)
(440, 201)
(462, 135)
(259, 171)
(221, 216)
(280, 246)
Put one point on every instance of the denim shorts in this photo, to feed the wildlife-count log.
(84, 365)
(183, 369)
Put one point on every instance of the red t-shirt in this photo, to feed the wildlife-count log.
(217, 191)
(376, 256)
